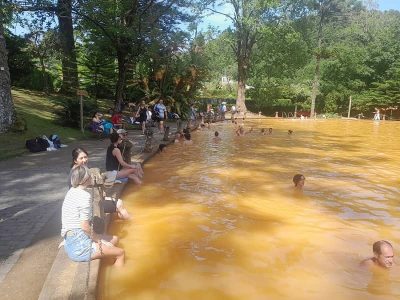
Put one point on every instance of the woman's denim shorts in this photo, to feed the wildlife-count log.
(79, 246)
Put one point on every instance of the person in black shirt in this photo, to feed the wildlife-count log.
(115, 162)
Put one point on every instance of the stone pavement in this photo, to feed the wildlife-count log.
(32, 188)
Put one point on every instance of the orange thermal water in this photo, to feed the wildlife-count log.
(222, 221)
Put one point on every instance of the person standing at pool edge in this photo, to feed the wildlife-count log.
(383, 256)
(161, 113)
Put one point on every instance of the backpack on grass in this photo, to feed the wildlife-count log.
(37, 144)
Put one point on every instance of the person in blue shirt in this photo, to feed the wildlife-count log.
(161, 114)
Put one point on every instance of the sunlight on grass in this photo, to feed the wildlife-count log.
(38, 109)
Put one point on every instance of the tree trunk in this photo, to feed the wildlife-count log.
(120, 88)
(7, 110)
(315, 85)
(241, 90)
(44, 76)
(69, 66)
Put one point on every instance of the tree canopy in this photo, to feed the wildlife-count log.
(275, 55)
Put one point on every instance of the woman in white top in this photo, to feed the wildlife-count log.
(81, 244)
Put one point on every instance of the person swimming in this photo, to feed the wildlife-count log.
(216, 137)
(161, 148)
(298, 181)
(383, 256)
(263, 131)
(188, 139)
(290, 132)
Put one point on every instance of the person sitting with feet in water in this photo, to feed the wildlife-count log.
(115, 162)
(298, 181)
(383, 256)
(80, 157)
(80, 242)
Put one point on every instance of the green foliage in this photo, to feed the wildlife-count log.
(69, 114)
(19, 60)
(276, 43)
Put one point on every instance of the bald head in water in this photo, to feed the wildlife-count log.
(383, 255)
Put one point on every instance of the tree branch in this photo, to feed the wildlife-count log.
(221, 13)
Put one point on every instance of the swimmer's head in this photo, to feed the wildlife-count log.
(383, 253)
(187, 136)
(161, 147)
(298, 181)
(290, 132)
(216, 133)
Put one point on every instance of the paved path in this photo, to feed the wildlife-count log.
(32, 188)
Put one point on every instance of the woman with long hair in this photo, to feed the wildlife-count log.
(116, 163)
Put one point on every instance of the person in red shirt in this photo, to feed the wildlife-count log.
(116, 119)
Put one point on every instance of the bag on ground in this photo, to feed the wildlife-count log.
(37, 145)
(56, 141)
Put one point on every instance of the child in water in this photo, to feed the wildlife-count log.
(298, 181)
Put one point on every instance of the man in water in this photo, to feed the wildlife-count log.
(298, 181)
(383, 256)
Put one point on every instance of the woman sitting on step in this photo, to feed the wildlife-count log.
(80, 242)
(115, 162)
(80, 157)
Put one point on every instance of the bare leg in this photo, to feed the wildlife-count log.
(113, 239)
(131, 174)
(117, 253)
(121, 210)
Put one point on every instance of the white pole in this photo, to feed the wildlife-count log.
(348, 114)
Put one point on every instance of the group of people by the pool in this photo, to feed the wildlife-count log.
(83, 244)
(81, 241)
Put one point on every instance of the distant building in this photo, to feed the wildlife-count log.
(226, 80)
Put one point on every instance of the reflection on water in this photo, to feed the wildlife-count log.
(221, 220)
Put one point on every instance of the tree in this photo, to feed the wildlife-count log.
(42, 46)
(7, 110)
(69, 65)
(247, 19)
(131, 27)
(63, 9)
(323, 12)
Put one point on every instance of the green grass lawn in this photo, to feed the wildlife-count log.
(38, 110)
